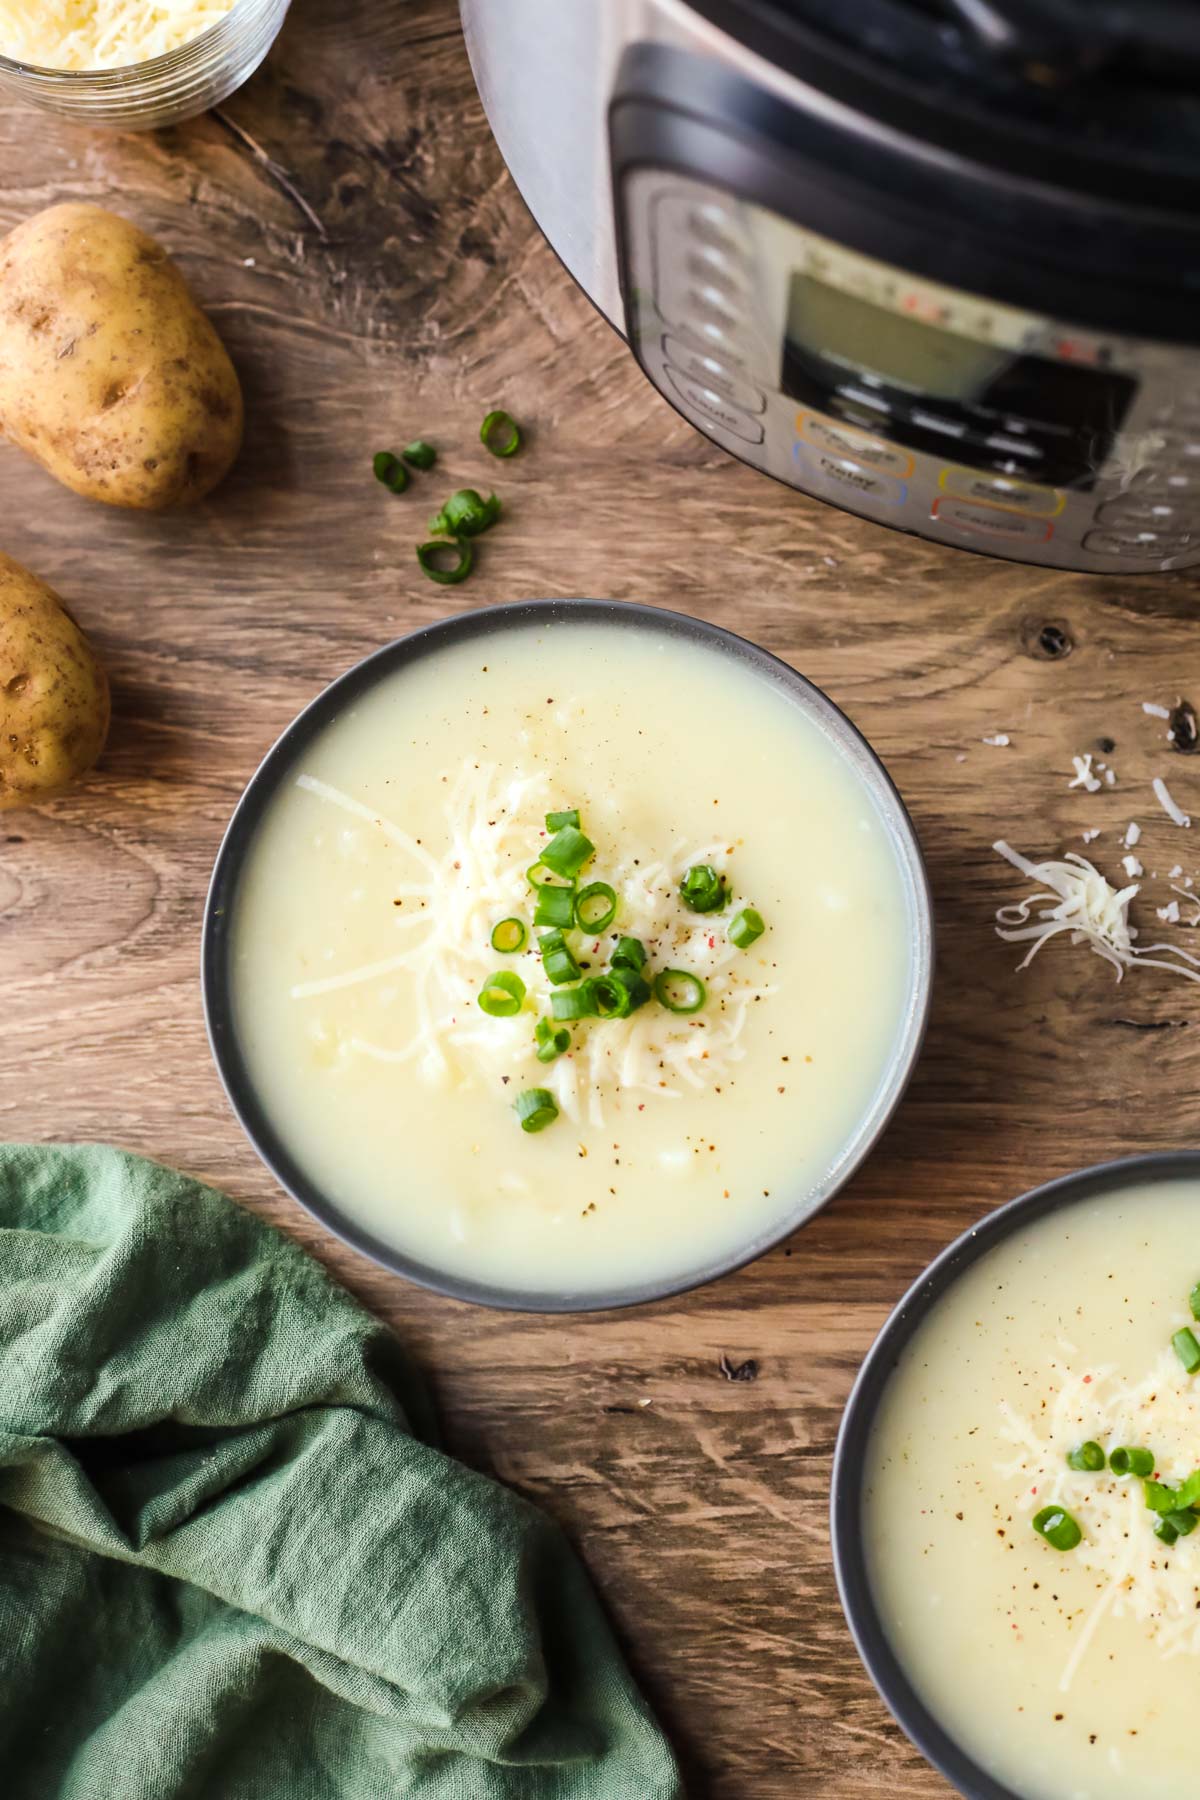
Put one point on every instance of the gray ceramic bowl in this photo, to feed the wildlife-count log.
(216, 957)
(849, 1558)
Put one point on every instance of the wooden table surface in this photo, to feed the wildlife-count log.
(375, 275)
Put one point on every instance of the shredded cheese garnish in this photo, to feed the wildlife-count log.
(1133, 832)
(1143, 1580)
(1000, 740)
(495, 825)
(1083, 774)
(1175, 813)
(1077, 898)
(1155, 710)
(102, 34)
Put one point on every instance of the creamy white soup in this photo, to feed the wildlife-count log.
(406, 835)
(1068, 1673)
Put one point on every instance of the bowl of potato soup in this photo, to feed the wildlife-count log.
(567, 954)
(1016, 1492)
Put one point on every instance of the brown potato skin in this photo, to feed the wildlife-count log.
(54, 704)
(110, 375)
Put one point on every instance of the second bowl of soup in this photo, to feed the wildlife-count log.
(567, 954)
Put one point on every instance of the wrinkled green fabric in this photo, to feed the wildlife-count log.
(228, 1567)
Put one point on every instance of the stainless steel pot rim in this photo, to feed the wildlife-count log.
(487, 621)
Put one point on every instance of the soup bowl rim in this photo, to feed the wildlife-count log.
(217, 984)
(918, 1721)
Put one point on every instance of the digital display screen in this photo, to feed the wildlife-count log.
(980, 404)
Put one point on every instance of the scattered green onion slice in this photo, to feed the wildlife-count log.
(501, 994)
(702, 889)
(500, 433)
(1161, 1497)
(679, 991)
(567, 851)
(550, 1043)
(557, 960)
(630, 953)
(744, 927)
(1189, 1490)
(1166, 1531)
(536, 1109)
(539, 876)
(1058, 1528)
(390, 470)
(1089, 1457)
(1194, 1301)
(633, 979)
(465, 514)
(612, 998)
(555, 906)
(556, 821)
(574, 1003)
(428, 555)
(509, 936)
(420, 454)
(1182, 1523)
(1128, 1459)
(595, 906)
(1187, 1349)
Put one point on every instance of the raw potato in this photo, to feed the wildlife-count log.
(53, 693)
(110, 375)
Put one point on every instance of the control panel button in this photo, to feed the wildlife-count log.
(1154, 545)
(843, 440)
(715, 407)
(1148, 514)
(1020, 496)
(1151, 480)
(716, 228)
(976, 518)
(710, 371)
(848, 476)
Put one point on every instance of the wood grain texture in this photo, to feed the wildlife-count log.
(409, 292)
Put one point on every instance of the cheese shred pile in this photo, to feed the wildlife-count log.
(450, 903)
(102, 34)
(1073, 896)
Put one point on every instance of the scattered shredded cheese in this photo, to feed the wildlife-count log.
(102, 34)
(494, 825)
(1169, 914)
(1142, 1581)
(1000, 741)
(1176, 815)
(1133, 832)
(1083, 774)
(1090, 836)
(1155, 711)
(1132, 867)
(1078, 899)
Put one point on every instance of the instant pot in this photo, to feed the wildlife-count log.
(933, 261)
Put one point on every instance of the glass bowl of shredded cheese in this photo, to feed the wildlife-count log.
(133, 64)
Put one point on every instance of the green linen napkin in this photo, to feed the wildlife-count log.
(227, 1566)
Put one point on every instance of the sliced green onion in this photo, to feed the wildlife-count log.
(574, 1003)
(1187, 1349)
(1166, 1531)
(702, 889)
(1130, 1460)
(465, 514)
(390, 470)
(536, 1109)
(428, 556)
(1189, 1490)
(550, 1043)
(1089, 1457)
(595, 906)
(556, 821)
(1161, 1497)
(679, 991)
(632, 979)
(1058, 1528)
(420, 454)
(557, 960)
(509, 936)
(1194, 1301)
(744, 927)
(1182, 1523)
(567, 851)
(613, 999)
(502, 994)
(630, 953)
(539, 876)
(555, 906)
(500, 433)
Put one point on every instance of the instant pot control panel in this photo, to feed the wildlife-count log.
(909, 403)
